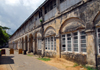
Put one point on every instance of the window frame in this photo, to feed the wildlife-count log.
(39, 44)
(53, 43)
(97, 41)
(77, 40)
(83, 43)
(46, 43)
(72, 42)
(40, 13)
(63, 43)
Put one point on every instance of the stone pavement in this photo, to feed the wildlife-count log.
(23, 62)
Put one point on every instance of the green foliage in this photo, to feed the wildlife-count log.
(75, 65)
(3, 35)
(40, 20)
(4, 27)
(44, 59)
(89, 68)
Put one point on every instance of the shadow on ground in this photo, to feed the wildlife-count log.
(6, 60)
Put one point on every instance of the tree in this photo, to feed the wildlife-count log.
(4, 37)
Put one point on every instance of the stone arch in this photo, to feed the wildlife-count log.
(96, 20)
(38, 42)
(39, 35)
(49, 31)
(71, 24)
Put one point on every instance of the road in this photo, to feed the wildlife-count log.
(23, 62)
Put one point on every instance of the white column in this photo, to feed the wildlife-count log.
(66, 42)
(33, 47)
(28, 44)
(79, 42)
(43, 47)
(91, 48)
(72, 48)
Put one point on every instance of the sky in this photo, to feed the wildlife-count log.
(14, 12)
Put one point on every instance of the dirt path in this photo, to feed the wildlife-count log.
(3, 67)
(63, 64)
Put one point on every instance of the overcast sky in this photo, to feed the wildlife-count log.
(14, 12)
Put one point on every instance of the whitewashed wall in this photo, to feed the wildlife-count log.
(38, 22)
(68, 3)
(50, 14)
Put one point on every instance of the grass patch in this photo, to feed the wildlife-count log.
(29, 55)
(44, 59)
(89, 68)
(75, 65)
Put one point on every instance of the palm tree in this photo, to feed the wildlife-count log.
(4, 37)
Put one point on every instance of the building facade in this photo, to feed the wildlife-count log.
(68, 29)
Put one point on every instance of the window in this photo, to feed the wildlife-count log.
(50, 43)
(61, 1)
(83, 41)
(39, 44)
(74, 41)
(54, 43)
(98, 39)
(45, 10)
(40, 13)
(69, 42)
(45, 43)
(54, 3)
(63, 43)
(50, 6)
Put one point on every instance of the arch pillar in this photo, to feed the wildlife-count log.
(28, 43)
(15, 45)
(58, 54)
(20, 44)
(43, 47)
(24, 44)
(91, 58)
(33, 46)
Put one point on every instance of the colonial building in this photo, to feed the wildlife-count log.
(68, 29)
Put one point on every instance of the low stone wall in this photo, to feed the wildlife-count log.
(78, 58)
(39, 52)
(98, 60)
(50, 54)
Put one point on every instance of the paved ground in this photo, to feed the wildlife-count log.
(23, 62)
